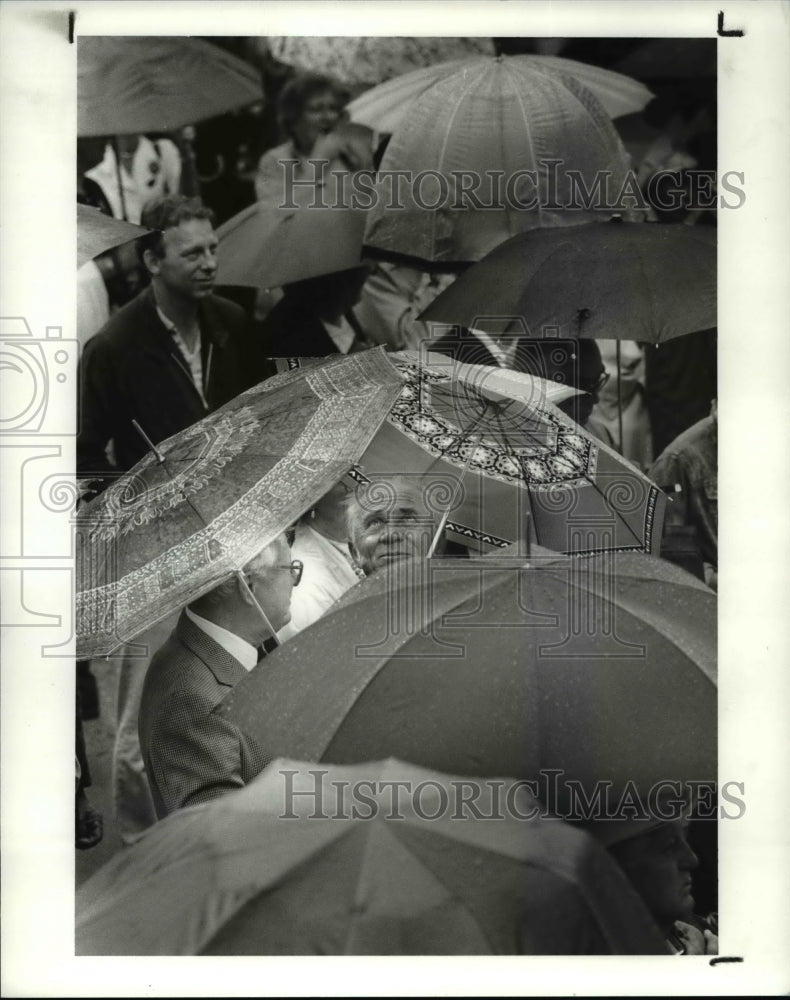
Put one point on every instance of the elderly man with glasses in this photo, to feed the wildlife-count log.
(192, 755)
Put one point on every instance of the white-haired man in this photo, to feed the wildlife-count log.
(190, 754)
(391, 520)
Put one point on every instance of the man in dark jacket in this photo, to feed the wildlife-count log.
(168, 357)
(164, 360)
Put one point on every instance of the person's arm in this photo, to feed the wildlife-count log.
(98, 392)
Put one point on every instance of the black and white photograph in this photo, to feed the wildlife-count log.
(362, 499)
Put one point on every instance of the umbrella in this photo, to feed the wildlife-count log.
(514, 138)
(129, 84)
(259, 872)
(495, 441)
(97, 232)
(601, 669)
(265, 247)
(206, 500)
(360, 62)
(623, 281)
(385, 107)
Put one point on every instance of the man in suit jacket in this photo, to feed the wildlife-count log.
(166, 359)
(192, 755)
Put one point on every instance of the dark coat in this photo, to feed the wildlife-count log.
(133, 369)
(192, 755)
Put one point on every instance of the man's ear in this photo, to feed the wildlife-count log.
(152, 262)
(245, 591)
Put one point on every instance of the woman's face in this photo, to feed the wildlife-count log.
(320, 116)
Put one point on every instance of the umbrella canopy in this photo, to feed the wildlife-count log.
(513, 137)
(385, 107)
(624, 281)
(128, 84)
(265, 247)
(361, 62)
(518, 459)
(97, 232)
(602, 669)
(259, 873)
(170, 530)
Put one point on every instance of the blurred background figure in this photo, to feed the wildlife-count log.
(321, 542)
(316, 317)
(392, 299)
(687, 470)
(680, 382)
(148, 169)
(88, 822)
(310, 115)
(624, 406)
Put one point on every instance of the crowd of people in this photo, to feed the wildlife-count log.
(163, 347)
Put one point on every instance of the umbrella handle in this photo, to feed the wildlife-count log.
(240, 577)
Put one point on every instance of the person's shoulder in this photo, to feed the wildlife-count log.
(123, 326)
(285, 151)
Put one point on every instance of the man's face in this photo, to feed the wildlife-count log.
(659, 865)
(396, 525)
(189, 265)
(273, 584)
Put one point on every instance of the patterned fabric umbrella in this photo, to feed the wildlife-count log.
(492, 150)
(516, 456)
(385, 107)
(361, 62)
(127, 85)
(620, 281)
(170, 530)
(264, 871)
(97, 232)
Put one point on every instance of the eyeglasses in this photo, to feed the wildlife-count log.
(597, 384)
(296, 566)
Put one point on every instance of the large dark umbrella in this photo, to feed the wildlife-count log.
(620, 281)
(264, 872)
(603, 668)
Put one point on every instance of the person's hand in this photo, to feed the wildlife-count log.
(693, 939)
(711, 943)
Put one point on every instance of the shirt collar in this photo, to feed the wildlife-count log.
(239, 648)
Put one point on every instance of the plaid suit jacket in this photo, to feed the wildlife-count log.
(190, 754)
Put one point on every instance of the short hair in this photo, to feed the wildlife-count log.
(167, 213)
(298, 91)
(255, 568)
